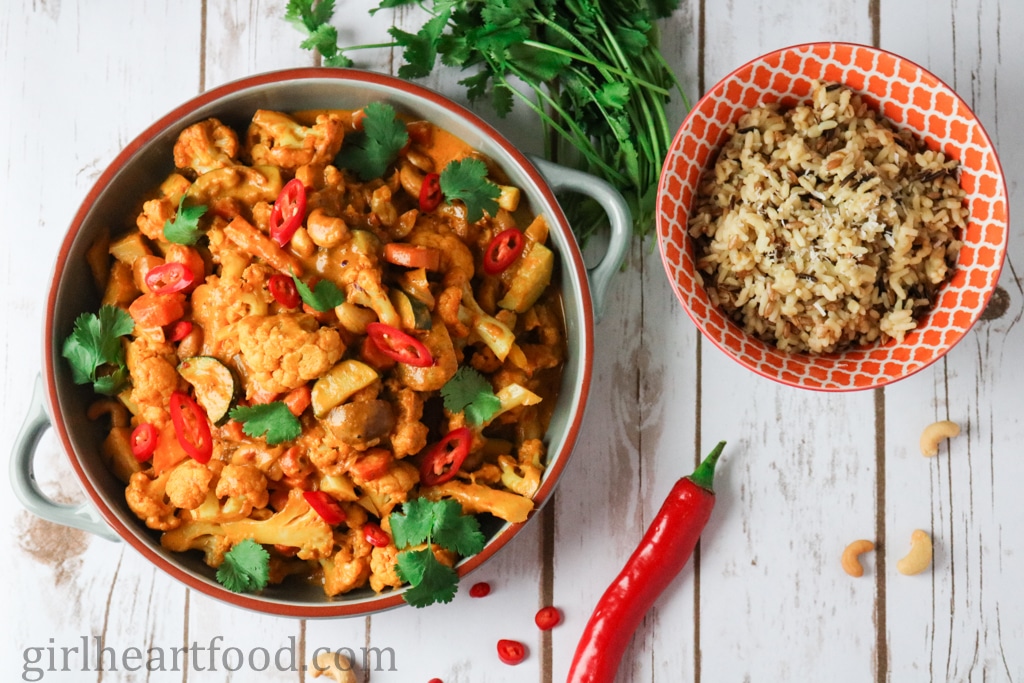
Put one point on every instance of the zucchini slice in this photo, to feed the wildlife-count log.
(214, 383)
(339, 384)
(414, 313)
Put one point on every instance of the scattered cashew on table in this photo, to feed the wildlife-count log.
(920, 556)
(936, 433)
(335, 665)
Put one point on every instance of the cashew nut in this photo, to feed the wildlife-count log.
(335, 665)
(920, 555)
(117, 412)
(851, 557)
(935, 433)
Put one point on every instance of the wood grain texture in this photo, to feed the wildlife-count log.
(803, 473)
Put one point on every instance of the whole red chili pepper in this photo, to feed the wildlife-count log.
(661, 555)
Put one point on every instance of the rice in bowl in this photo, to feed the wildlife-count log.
(822, 226)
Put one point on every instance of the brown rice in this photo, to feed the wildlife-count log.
(823, 226)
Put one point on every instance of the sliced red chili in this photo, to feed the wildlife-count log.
(503, 250)
(284, 291)
(289, 211)
(547, 618)
(430, 192)
(481, 589)
(143, 441)
(446, 457)
(178, 331)
(400, 346)
(511, 651)
(328, 508)
(376, 536)
(169, 278)
(191, 427)
(325, 506)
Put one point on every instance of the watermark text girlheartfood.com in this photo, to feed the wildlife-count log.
(91, 654)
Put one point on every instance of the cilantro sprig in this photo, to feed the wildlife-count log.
(466, 179)
(271, 420)
(441, 523)
(590, 70)
(322, 296)
(369, 152)
(94, 350)
(246, 567)
(313, 18)
(184, 228)
(468, 391)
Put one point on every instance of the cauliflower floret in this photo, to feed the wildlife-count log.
(409, 435)
(383, 493)
(356, 262)
(521, 477)
(296, 525)
(225, 300)
(243, 484)
(187, 484)
(205, 146)
(156, 212)
(349, 567)
(152, 365)
(285, 351)
(277, 139)
(145, 497)
(383, 568)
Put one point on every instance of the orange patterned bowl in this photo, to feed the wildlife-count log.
(911, 98)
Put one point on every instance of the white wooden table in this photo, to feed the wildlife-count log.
(804, 473)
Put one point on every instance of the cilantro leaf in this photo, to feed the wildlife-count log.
(246, 567)
(420, 48)
(466, 179)
(94, 351)
(323, 296)
(273, 420)
(184, 229)
(439, 522)
(468, 391)
(431, 581)
(369, 153)
(456, 531)
(414, 524)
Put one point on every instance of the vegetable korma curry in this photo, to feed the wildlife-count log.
(325, 347)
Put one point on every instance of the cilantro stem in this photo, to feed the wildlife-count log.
(603, 66)
(578, 136)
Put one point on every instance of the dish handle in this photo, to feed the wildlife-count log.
(23, 480)
(619, 218)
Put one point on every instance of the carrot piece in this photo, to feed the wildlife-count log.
(157, 310)
(412, 256)
(251, 240)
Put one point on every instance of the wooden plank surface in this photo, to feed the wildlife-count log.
(803, 474)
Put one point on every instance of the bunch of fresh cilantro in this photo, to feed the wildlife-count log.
(590, 69)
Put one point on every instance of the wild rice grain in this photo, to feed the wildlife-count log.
(856, 236)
